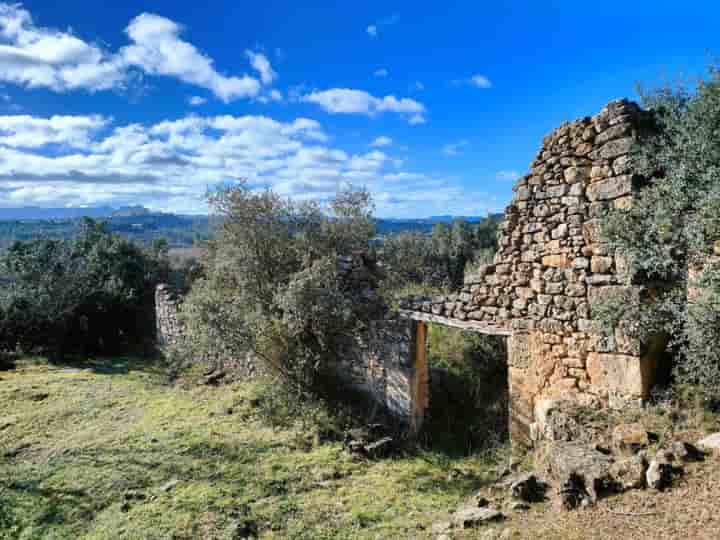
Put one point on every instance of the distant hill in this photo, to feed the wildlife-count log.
(143, 226)
(32, 212)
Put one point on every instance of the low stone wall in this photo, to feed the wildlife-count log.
(168, 328)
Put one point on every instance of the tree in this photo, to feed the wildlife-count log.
(271, 285)
(672, 226)
(89, 294)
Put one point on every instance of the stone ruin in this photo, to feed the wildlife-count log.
(550, 267)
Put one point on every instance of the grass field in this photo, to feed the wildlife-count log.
(108, 450)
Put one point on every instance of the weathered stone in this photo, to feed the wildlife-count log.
(469, 517)
(580, 469)
(611, 188)
(630, 438)
(557, 261)
(711, 443)
(629, 473)
(659, 475)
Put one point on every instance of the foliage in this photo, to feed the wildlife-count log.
(673, 224)
(468, 393)
(439, 260)
(271, 285)
(89, 294)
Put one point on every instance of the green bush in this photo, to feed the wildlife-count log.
(271, 286)
(671, 227)
(91, 294)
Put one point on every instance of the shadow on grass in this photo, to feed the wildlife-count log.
(118, 365)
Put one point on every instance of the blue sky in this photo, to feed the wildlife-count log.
(436, 107)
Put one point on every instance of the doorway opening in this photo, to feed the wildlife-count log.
(468, 394)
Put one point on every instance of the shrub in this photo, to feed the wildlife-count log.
(89, 294)
(672, 226)
(271, 286)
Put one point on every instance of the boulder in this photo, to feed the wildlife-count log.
(581, 470)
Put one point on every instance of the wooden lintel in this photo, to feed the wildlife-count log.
(473, 326)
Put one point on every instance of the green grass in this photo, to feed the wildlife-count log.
(87, 452)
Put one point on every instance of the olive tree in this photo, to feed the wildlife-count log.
(672, 227)
(271, 286)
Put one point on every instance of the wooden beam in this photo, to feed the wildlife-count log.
(473, 326)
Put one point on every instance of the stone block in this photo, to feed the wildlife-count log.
(616, 373)
(556, 261)
(611, 188)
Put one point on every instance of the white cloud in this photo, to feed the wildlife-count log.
(157, 49)
(478, 81)
(510, 175)
(24, 131)
(196, 100)
(382, 141)
(349, 101)
(382, 72)
(261, 64)
(374, 29)
(37, 57)
(454, 149)
(168, 165)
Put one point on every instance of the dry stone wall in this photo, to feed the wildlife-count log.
(551, 266)
(168, 328)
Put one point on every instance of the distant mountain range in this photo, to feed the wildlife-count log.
(34, 212)
(144, 226)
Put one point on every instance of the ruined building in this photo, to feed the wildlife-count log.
(550, 267)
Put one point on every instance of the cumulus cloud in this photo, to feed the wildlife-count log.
(454, 149)
(350, 101)
(372, 30)
(480, 81)
(510, 175)
(477, 80)
(157, 49)
(24, 131)
(196, 101)
(261, 64)
(382, 72)
(168, 165)
(381, 141)
(37, 57)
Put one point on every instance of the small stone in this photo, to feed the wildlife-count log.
(169, 486)
(629, 473)
(686, 452)
(630, 438)
(710, 443)
(441, 527)
(469, 517)
(659, 475)
(519, 506)
(527, 488)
